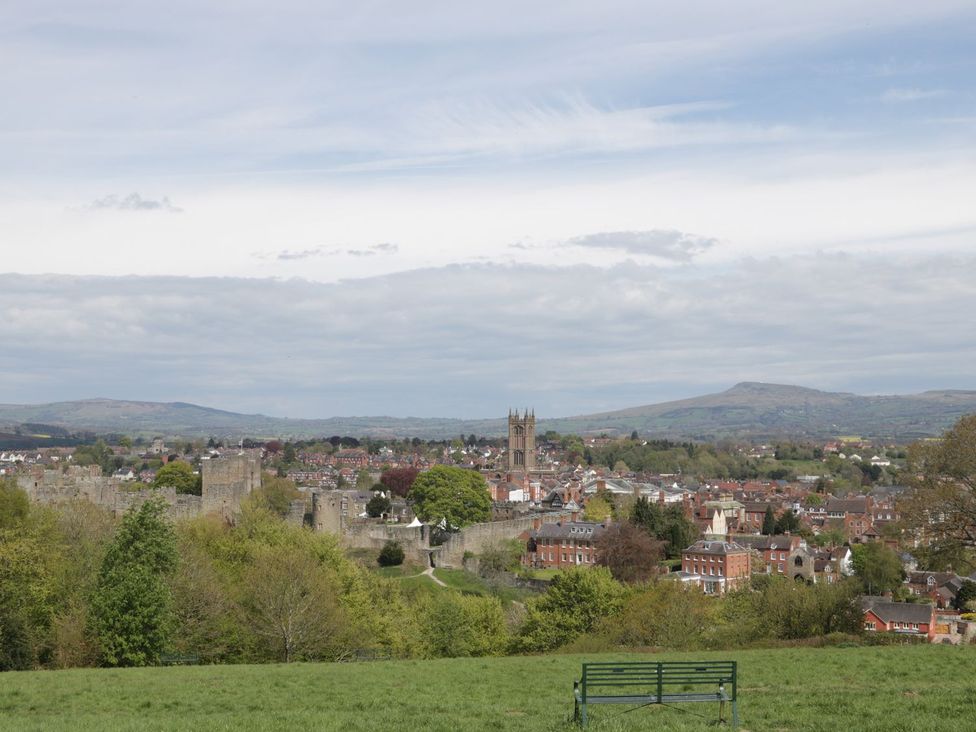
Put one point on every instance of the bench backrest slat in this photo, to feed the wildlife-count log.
(655, 676)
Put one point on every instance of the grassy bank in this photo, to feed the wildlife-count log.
(894, 689)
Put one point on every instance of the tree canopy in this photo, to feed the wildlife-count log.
(456, 496)
(179, 475)
(943, 505)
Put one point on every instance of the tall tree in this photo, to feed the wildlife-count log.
(877, 566)
(399, 480)
(456, 496)
(769, 522)
(179, 475)
(629, 553)
(131, 606)
(943, 504)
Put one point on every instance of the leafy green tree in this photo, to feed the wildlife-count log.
(663, 614)
(456, 496)
(788, 522)
(680, 532)
(378, 505)
(364, 480)
(943, 504)
(649, 516)
(597, 508)
(391, 555)
(179, 475)
(877, 566)
(965, 596)
(131, 608)
(454, 625)
(276, 494)
(505, 556)
(292, 607)
(769, 522)
(575, 601)
(14, 504)
(288, 455)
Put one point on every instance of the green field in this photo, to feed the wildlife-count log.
(904, 688)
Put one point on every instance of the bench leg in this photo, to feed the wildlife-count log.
(735, 714)
(584, 714)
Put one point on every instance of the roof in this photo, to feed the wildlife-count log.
(898, 612)
(715, 547)
(779, 542)
(570, 530)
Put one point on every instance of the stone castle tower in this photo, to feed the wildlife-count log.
(521, 441)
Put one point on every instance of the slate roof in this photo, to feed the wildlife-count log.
(570, 530)
(898, 612)
(714, 547)
(779, 542)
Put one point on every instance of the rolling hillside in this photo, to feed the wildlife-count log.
(747, 410)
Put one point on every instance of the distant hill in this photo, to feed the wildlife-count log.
(747, 410)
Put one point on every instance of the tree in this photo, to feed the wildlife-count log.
(575, 601)
(14, 504)
(680, 532)
(131, 605)
(363, 480)
(505, 556)
(769, 521)
(664, 614)
(276, 494)
(943, 504)
(788, 522)
(291, 606)
(455, 625)
(965, 596)
(391, 555)
(629, 553)
(597, 508)
(399, 480)
(649, 516)
(878, 567)
(456, 496)
(377, 505)
(179, 475)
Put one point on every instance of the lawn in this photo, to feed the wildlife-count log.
(890, 689)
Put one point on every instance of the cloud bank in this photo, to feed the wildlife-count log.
(466, 341)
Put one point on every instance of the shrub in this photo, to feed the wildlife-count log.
(391, 555)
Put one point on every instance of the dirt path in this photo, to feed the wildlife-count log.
(430, 573)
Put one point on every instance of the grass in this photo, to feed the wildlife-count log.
(471, 584)
(878, 689)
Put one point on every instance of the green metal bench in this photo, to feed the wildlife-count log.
(644, 683)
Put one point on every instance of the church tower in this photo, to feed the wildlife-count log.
(521, 441)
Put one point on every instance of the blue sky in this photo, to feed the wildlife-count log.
(354, 152)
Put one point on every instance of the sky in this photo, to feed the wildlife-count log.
(317, 209)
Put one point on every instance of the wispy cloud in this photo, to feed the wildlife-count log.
(900, 96)
(132, 202)
(288, 255)
(667, 244)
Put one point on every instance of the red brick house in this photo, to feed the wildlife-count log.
(883, 615)
(562, 544)
(716, 566)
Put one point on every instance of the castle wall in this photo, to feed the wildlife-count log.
(226, 481)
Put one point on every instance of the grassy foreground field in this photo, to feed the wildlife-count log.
(905, 688)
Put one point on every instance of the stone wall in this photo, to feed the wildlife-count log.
(415, 540)
(226, 481)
